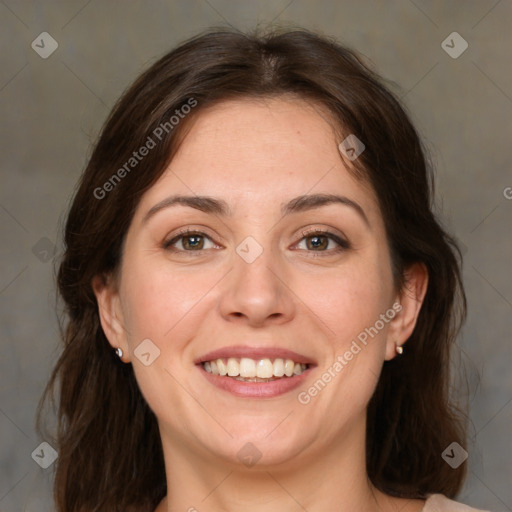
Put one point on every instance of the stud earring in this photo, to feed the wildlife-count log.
(119, 352)
(399, 349)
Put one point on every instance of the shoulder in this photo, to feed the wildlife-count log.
(440, 503)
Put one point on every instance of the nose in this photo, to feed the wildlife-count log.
(258, 293)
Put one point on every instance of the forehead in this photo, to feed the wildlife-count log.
(264, 131)
(260, 151)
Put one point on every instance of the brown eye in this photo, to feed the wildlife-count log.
(320, 241)
(193, 242)
(317, 242)
(188, 241)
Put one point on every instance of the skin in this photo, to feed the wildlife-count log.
(256, 155)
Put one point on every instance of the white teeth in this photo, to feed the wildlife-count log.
(288, 367)
(233, 367)
(264, 369)
(221, 367)
(278, 367)
(253, 370)
(247, 367)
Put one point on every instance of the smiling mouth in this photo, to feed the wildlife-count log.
(254, 370)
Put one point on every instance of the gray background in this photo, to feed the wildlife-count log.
(52, 109)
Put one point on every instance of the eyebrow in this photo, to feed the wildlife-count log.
(216, 206)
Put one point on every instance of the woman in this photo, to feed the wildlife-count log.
(260, 301)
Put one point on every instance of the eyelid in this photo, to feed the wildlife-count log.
(175, 237)
(340, 240)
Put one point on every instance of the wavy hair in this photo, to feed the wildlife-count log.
(110, 453)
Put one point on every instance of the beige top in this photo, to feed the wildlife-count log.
(439, 503)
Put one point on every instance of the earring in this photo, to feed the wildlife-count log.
(119, 352)
(399, 349)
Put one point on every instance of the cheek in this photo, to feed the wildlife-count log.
(353, 306)
(166, 308)
(157, 301)
(350, 299)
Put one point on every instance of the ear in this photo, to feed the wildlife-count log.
(410, 299)
(110, 313)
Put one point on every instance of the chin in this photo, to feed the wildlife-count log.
(263, 444)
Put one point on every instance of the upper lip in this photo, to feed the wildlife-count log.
(256, 353)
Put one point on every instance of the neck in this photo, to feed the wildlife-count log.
(317, 479)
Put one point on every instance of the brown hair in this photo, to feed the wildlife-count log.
(110, 454)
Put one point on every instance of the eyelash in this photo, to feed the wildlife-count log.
(343, 244)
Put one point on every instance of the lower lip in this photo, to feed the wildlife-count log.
(255, 389)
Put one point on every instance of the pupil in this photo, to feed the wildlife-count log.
(316, 241)
(195, 241)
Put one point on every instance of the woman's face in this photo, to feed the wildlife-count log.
(255, 283)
